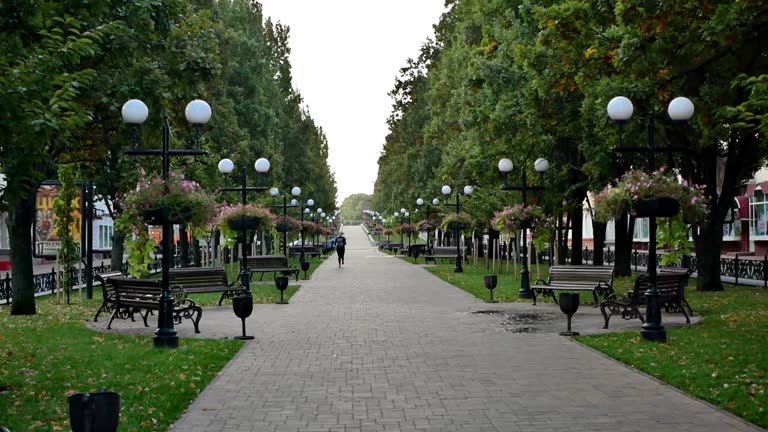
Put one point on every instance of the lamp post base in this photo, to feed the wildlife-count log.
(525, 285)
(458, 268)
(165, 340)
(569, 333)
(653, 332)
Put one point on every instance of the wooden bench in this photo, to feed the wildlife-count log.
(671, 286)
(445, 252)
(392, 246)
(597, 279)
(270, 264)
(310, 250)
(107, 292)
(417, 249)
(136, 295)
(196, 280)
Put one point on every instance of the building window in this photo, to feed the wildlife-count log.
(641, 230)
(732, 231)
(758, 215)
(105, 236)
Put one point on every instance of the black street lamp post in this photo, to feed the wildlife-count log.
(310, 203)
(295, 191)
(446, 190)
(135, 112)
(505, 167)
(226, 166)
(620, 110)
(435, 202)
(406, 215)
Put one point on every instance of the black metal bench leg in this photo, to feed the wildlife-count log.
(101, 309)
(196, 320)
(221, 299)
(533, 294)
(594, 295)
(606, 317)
(114, 314)
(144, 315)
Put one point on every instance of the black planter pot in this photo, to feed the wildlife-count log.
(242, 305)
(490, 282)
(98, 411)
(281, 283)
(655, 207)
(569, 304)
(239, 223)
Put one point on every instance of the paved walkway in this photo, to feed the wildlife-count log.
(383, 345)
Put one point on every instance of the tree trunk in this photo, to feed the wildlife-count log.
(19, 229)
(183, 246)
(118, 248)
(196, 255)
(598, 230)
(625, 226)
(493, 239)
(479, 237)
(707, 246)
(577, 218)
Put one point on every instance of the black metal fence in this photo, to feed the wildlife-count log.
(47, 282)
(738, 268)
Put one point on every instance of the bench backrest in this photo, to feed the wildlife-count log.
(581, 275)
(446, 250)
(198, 277)
(267, 262)
(107, 289)
(143, 293)
(669, 284)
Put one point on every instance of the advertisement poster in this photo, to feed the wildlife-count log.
(46, 239)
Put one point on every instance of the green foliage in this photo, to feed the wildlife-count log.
(673, 235)
(353, 206)
(58, 356)
(62, 209)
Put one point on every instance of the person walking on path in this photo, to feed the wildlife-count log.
(341, 243)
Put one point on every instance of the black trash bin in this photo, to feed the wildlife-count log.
(94, 412)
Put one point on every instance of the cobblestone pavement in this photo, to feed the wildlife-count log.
(382, 345)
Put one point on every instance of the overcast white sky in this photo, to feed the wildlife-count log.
(345, 56)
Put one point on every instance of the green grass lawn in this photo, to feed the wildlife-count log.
(723, 359)
(46, 357)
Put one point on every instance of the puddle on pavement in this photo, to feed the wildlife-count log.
(520, 322)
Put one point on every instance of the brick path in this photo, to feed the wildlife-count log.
(383, 345)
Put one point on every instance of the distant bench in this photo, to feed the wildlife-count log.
(596, 279)
(310, 250)
(391, 246)
(270, 264)
(137, 295)
(671, 286)
(444, 252)
(197, 280)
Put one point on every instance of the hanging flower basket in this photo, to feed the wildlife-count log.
(457, 221)
(651, 195)
(285, 224)
(235, 219)
(426, 225)
(182, 201)
(655, 207)
(512, 219)
(406, 228)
